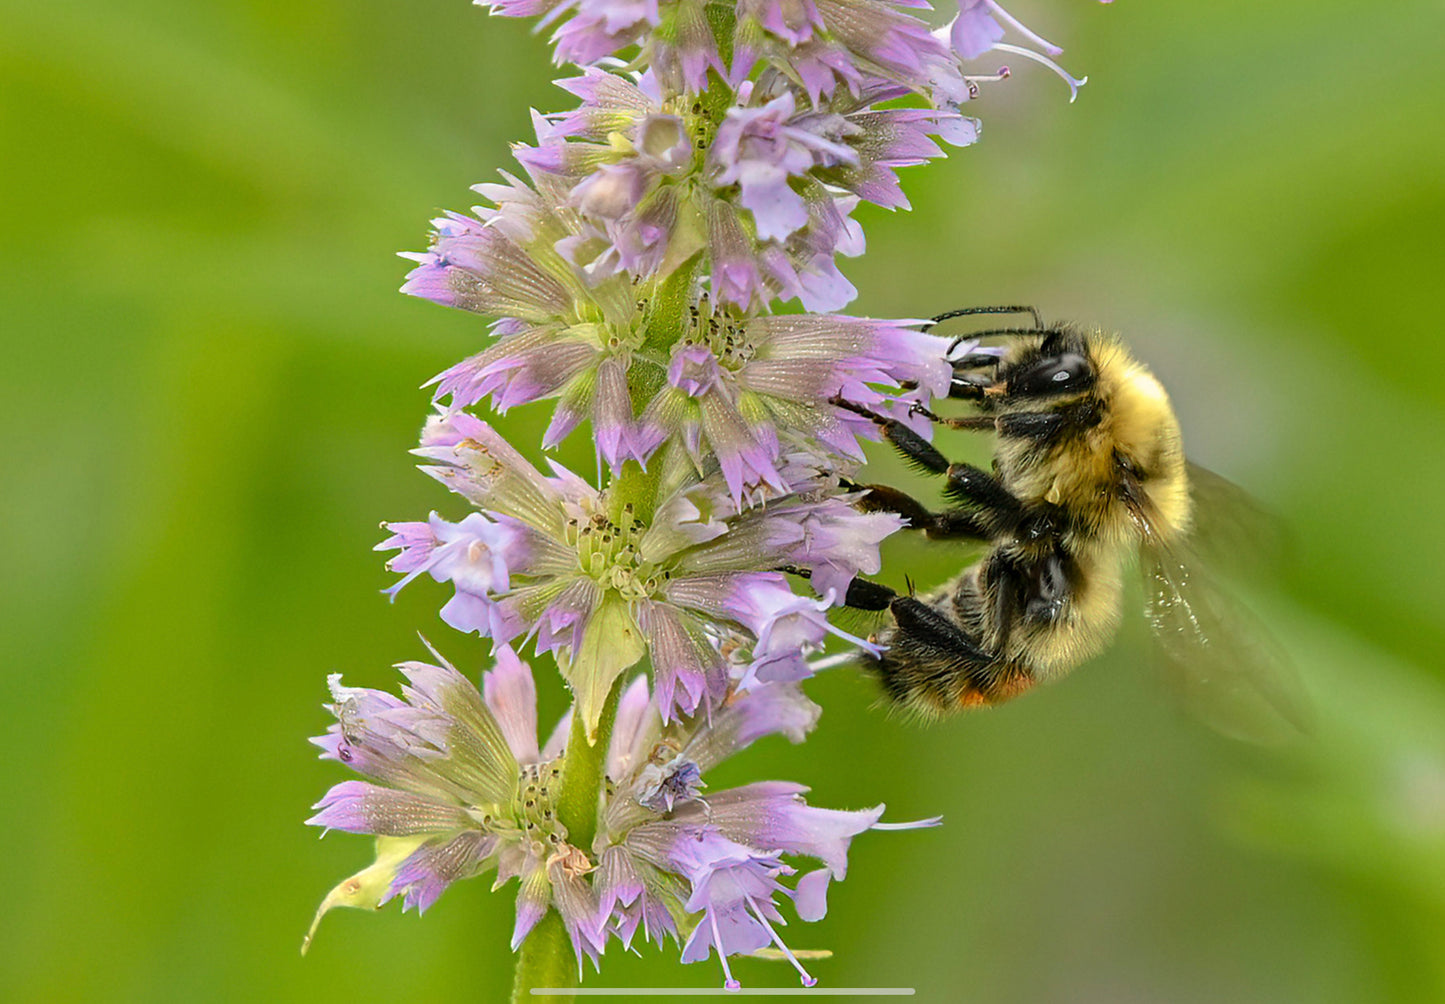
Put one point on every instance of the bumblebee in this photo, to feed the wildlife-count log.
(1089, 478)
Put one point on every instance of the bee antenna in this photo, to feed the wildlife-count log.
(971, 311)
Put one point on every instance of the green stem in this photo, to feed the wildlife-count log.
(662, 327)
(547, 958)
(582, 774)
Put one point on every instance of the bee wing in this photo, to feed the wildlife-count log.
(1220, 657)
(1232, 529)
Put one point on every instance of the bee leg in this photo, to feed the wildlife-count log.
(949, 525)
(956, 524)
(985, 499)
(974, 486)
(1024, 593)
(982, 423)
(883, 498)
(917, 450)
(927, 626)
(865, 595)
(933, 665)
(862, 594)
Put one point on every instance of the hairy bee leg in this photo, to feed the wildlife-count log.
(921, 624)
(998, 509)
(931, 663)
(951, 525)
(966, 484)
(883, 498)
(935, 667)
(917, 450)
(925, 625)
(978, 423)
(924, 637)
(865, 595)
(1035, 591)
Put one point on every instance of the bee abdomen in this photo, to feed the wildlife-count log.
(933, 666)
(936, 690)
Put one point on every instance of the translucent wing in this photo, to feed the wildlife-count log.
(1219, 656)
(1232, 529)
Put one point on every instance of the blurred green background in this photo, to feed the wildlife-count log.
(211, 385)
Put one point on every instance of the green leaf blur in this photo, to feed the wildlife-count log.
(211, 385)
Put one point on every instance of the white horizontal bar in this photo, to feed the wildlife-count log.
(717, 991)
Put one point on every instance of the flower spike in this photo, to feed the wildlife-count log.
(667, 271)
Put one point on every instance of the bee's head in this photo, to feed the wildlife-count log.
(1056, 365)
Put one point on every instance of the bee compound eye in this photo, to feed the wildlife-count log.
(1059, 374)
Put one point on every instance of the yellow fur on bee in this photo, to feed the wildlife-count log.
(1081, 475)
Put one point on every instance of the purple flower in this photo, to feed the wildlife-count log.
(708, 870)
(824, 42)
(456, 787)
(485, 269)
(837, 542)
(620, 155)
(559, 334)
(602, 588)
(661, 786)
(600, 27)
(789, 627)
(475, 555)
(886, 139)
(976, 30)
(831, 42)
(733, 887)
(759, 190)
(747, 389)
(758, 150)
(711, 166)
